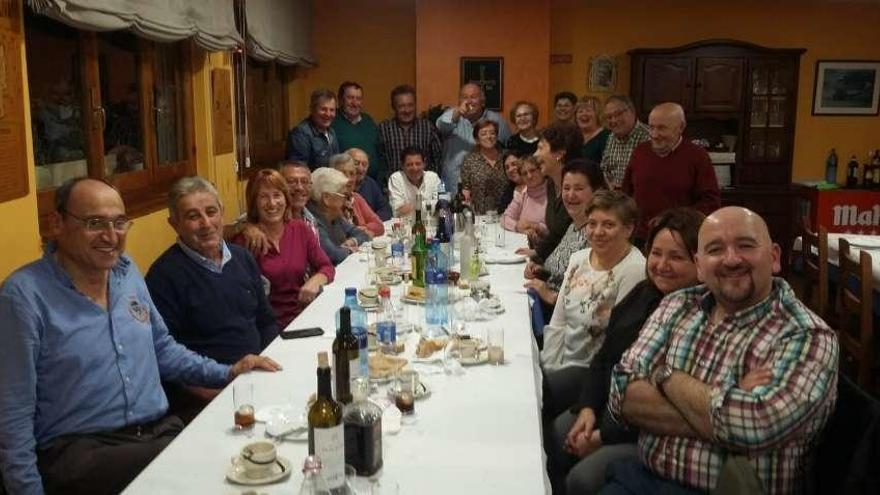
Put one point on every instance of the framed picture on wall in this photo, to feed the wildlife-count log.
(488, 73)
(602, 77)
(846, 87)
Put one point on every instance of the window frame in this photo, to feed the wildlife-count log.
(143, 191)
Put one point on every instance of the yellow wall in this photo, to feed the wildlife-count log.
(20, 235)
(828, 30)
(371, 42)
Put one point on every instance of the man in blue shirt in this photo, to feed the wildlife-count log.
(368, 187)
(456, 127)
(313, 141)
(84, 350)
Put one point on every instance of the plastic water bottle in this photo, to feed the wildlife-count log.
(359, 329)
(386, 328)
(313, 482)
(437, 292)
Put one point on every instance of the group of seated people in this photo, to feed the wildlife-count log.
(669, 347)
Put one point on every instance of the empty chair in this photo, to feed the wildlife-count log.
(855, 311)
(814, 253)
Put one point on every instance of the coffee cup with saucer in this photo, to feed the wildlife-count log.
(258, 463)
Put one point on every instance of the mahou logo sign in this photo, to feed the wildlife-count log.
(852, 216)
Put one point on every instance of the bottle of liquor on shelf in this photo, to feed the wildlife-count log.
(852, 173)
(345, 356)
(831, 167)
(875, 166)
(326, 433)
(363, 430)
(867, 174)
(358, 328)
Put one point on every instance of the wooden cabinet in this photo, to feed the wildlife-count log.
(702, 84)
(732, 87)
(719, 84)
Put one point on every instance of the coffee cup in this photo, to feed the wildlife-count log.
(467, 348)
(258, 459)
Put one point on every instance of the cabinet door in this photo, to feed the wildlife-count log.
(667, 79)
(719, 84)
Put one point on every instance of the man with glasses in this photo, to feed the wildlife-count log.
(627, 132)
(367, 187)
(81, 407)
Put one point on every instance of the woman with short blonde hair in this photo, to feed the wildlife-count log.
(339, 238)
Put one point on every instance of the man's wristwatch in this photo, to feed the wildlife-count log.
(660, 375)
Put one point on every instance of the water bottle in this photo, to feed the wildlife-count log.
(397, 249)
(437, 292)
(359, 329)
(831, 167)
(386, 328)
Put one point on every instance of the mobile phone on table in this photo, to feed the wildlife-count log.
(302, 333)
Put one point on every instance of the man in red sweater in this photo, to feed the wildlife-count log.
(669, 171)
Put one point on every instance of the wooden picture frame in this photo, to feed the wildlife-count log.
(488, 73)
(847, 87)
(602, 76)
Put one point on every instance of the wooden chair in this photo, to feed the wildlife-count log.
(855, 304)
(814, 253)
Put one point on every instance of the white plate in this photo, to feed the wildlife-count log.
(280, 470)
(504, 258)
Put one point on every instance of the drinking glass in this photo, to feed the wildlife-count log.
(496, 345)
(243, 402)
(500, 241)
(405, 387)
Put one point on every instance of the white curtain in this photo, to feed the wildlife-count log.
(211, 23)
(280, 30)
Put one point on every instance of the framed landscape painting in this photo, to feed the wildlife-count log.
(846, 87)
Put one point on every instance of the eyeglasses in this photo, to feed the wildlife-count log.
(99, 224)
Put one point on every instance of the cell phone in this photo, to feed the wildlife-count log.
(302, 333)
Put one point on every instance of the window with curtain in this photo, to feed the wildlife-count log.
(108, 105)
(267, 120)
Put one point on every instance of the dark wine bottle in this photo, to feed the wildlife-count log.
(345, 355)
(326, 433)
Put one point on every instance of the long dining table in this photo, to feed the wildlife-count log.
(478, 432)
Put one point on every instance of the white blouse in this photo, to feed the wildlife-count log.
(586, 297)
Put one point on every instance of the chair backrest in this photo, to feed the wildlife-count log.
(814, 253)
(855, 308)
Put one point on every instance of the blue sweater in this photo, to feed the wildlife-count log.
(220, 315)
(372, 193)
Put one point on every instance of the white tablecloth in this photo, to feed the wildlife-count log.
(858, 243)
(478, 432)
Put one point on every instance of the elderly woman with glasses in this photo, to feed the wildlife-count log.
(524, 116)
(358, 212)
(339, 238)
(295, 265)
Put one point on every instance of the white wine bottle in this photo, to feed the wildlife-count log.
(326, 433)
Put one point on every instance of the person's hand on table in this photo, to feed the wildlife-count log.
(546, 294)
(253, 362)
(524, 251)
(531, 269)
(309, 290)
(405, 209)
(255, 239)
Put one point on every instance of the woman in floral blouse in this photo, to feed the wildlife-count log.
(482, 172)
(596, 279)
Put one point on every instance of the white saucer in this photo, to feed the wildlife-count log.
(281, 470)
